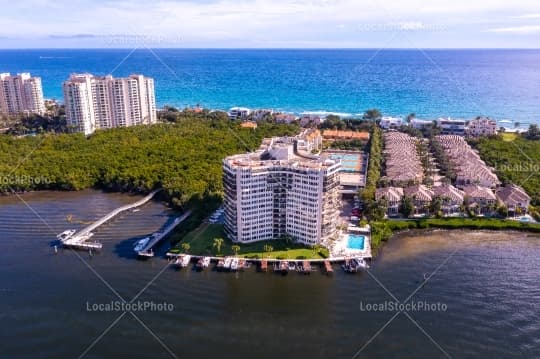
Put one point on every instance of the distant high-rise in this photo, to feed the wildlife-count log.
(105, 102)
(21, 93)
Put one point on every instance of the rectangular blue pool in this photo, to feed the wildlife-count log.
(355, 241)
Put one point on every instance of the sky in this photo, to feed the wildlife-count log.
(269, 24)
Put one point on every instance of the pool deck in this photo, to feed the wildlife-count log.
(339, 248)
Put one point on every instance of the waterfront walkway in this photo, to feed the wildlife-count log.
(80, 239)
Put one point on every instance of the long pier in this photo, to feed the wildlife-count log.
(147, 251)
(80, 239)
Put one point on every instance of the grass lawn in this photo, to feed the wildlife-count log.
(201, 241)
(509, 136)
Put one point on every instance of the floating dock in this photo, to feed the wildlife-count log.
(80, 239)
(147, 251)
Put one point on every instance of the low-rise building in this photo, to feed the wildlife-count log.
(421, 197)
(309, 140)
(310, 120)
(391, 122)
(332, 135)
(421, 124)
(249, 124)
(393, 196)
(482, 126)
(480, 198)
(285, 118)
(239, 113)
(468, 166)
(451, 198)
(451, 126)
(515, 199)
(402, 163)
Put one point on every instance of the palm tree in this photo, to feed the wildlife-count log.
(268, 248)
(218, 242)
(235, 248)
(186, 247)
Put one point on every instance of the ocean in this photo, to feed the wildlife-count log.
(502, 84)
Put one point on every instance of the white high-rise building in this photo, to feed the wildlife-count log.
(105, 102)
(277, 191)
(21, 93)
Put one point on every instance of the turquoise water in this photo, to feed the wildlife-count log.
(349, 162)
(458, 83)
(355, 241)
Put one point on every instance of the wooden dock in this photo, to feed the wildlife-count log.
(79, 239)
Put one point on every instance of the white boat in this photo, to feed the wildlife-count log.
(185, 260)
(135, 210)
(206, 262)
(139, 246)
(66, 234)
(360, 263)
(234, 264)
(227, 263)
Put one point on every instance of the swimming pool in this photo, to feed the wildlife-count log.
(355, 241)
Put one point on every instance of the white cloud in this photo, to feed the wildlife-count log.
(262, 21)
(527, 16)
(521, 30)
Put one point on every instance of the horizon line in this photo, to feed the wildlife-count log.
(271, 48)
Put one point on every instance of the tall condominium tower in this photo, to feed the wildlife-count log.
(278, 191)
(105, 102)
(21, 93)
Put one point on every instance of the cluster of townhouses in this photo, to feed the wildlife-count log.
(480, 126)
(282, 189)
(94, 102)
(476, 186)
(21, 94)
(403, 164)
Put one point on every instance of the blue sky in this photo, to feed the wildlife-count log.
(270, 24)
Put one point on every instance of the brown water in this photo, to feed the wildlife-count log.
(489, 284)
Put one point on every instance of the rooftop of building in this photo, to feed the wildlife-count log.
(339, 134)
(280, 151)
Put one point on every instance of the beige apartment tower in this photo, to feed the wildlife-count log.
(21, 94)
(105, 102)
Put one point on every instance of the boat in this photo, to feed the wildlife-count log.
(227, 263)
(186, 258)
(220, 264)
(199, 264)
(292, 266)
(360, 263)
(234, 264)
(206, 262)
(135, 210)
(66, 234)
(284, 267)
(305, 268)
(242, 264)
(349, 267)
(140, 244)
